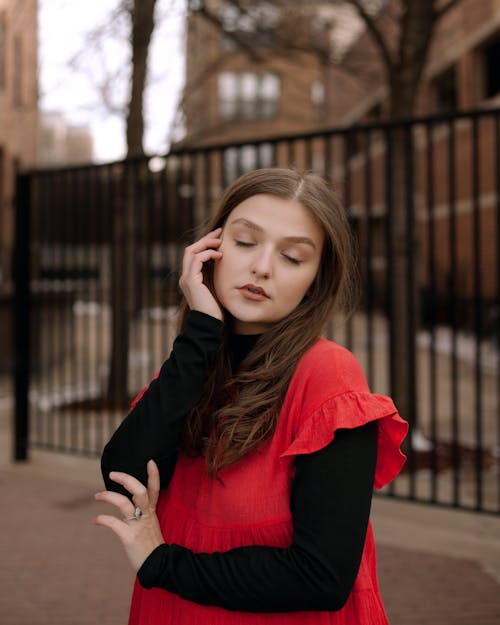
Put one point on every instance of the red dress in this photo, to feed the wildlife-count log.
(250, 504)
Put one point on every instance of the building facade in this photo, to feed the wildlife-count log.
(18, 113)
(61, 143)
(462, 73)
(245, 78)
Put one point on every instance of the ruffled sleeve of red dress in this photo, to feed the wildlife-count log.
(329, 392)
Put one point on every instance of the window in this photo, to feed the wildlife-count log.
(445, 91)
(248, 95)
(318, 93)
(491, 69)
(246, 158)
(18, 72)
(3, 50)
(254, 25)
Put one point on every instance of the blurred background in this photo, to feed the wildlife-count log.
(121, 121)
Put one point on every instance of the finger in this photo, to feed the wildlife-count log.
(202, 257)
(120, 528)
(153, 483)
(121, 502)
(193, 267)
(190, 255)
(135, 488)
(209, 240)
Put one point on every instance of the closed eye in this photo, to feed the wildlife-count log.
(294, 261)
(244, 243)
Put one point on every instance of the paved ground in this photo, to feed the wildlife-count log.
(436, 566)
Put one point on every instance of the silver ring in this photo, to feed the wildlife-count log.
(137, 515)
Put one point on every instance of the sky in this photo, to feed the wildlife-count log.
(64, 26)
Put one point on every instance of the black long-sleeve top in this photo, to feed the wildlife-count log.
(330, 497)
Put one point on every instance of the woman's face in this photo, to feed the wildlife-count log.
(271, 253)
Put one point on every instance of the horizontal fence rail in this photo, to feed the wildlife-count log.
(102, 246)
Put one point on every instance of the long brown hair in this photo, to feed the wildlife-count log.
(238, 412)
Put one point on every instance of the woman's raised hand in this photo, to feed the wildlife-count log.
(197, 294)
(139, 529)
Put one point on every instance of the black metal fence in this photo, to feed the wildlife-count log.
(97, 252)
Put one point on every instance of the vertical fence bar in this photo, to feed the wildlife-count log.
(368, 182)
(66, 304)
(48, 299)
(497, 189)
(85, 396)
(141, 317)
(348, 208)
(101, 213)
(478, 321)
(78, 265)
(452, 316)
(430, 305)
(411, 286)
(207, 178)
(308, 154)
(39, 364)
(389, 255)
(45, 297)
(93, 174)
(291, 152)
(110, 189)
(22, 316)
(327, 160)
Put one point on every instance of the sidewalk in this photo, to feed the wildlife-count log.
(436, 566)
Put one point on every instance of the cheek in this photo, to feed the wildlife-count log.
(217, 277)
(304, 284)
(221, 275)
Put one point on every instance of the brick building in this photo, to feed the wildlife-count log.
(462, 70)
(18, 112)
(259, 72)
(61, 143)
(462, 73)
(258, 75)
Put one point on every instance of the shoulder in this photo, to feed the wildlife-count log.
(327, 369)
(336, 363)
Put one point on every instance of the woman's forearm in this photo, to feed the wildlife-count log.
(330, 507)
(153, 428)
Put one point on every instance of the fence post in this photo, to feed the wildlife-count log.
(22, 317)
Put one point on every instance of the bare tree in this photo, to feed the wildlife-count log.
(127, 261)
(403, 55)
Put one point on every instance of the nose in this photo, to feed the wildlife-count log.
(261, 266)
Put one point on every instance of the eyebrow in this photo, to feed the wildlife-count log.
(257, 228)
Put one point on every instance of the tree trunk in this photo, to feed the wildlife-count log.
(124, 285)
(416, 31)
(142, 17)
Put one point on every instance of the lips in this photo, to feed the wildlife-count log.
(251, 291)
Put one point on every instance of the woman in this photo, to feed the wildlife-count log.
(244, 473)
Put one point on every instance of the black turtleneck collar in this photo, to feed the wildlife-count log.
(240, 346)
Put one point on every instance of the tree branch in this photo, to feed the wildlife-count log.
(214, 19)
(376, 34)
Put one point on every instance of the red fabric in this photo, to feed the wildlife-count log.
(137, 398)
(328, 391)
